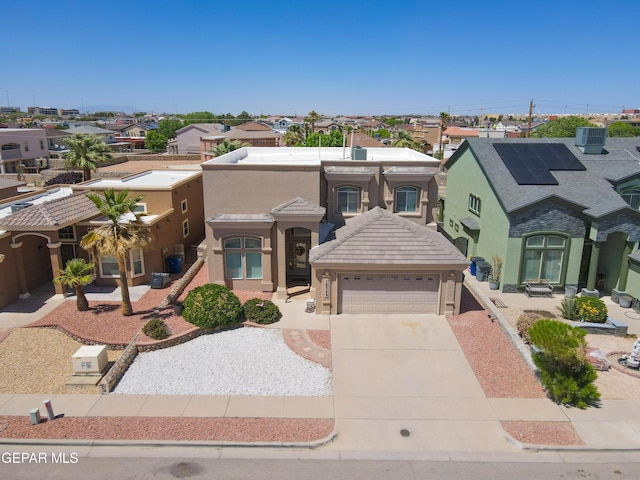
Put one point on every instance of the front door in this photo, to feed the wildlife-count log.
(298, 268)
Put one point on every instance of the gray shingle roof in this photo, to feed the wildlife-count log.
(590, 190)
(383, 238)
(51, 215)
(299, 206)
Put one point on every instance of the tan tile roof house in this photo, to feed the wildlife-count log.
(357, 228)
(40, 231)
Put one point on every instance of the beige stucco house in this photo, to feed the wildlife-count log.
(355, 226)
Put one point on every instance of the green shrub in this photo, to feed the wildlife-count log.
(569, 309)
(156, 329)
(564, 369)
(591, 309)
(211, 306)
(261, 311)
(524, 323)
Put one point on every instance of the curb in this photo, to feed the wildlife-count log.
(173, 443)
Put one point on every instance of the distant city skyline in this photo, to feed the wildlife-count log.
(356, 58)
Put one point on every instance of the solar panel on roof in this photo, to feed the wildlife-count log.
(532, 163)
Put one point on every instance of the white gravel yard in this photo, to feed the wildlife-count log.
(245, 361)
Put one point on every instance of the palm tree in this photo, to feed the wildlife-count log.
(227, 146)
(122, 232)
(405, 140)
(312, 118)
(85, 152)
(292, 137)
(444, 121)
(76, 274)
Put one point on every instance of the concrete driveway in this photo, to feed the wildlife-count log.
(407, 372)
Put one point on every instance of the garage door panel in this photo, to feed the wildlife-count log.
(389, 293)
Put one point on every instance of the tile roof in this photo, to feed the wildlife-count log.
(51, 215)
(460, 132)
(621, 161)
(299, 206)
(363, 140)
(383, 238)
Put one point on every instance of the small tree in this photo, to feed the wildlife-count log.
(562, 360)
(76, 274)
(155, 141)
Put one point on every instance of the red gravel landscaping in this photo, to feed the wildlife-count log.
(170, 428)
(543, 433)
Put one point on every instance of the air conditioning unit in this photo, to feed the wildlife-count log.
(591, 140)
(358, 153)
(89, 359)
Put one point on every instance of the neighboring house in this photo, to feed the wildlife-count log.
(326, 126)
(56, 140)
(548, 208)
(23, 149)
(253, 133)
(40, 232)
(138, 130)
(270, 215)
(282, 125)
(109, 137)
(188, 138)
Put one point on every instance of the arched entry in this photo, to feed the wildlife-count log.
(298, 243)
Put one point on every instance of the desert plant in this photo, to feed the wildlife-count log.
(569, 308)
(524, 323)
(76, 274)
(562, 360)
(261, 311)
(156, 329)
(591, 309)
(211, 306)
(496, 269)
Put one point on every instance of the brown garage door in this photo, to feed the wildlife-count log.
(388, 293)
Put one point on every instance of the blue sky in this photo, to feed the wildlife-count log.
(289, 57)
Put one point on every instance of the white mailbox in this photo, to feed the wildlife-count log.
(90, 359)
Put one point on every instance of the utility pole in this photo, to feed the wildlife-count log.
(531, 107)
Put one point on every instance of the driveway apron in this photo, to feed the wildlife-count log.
(407, 373)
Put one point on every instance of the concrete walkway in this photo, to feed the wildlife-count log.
(401, 385)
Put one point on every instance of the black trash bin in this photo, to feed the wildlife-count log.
(483, 269)
(474, 264)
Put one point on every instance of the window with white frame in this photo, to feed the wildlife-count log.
(140, 208)
(406, 199)
(67, 233)
(543, 257)
(474, 204)
(185, 228)
(184, 206)
(243, 258)
(632, 197)
(348, 199)
(108, 265)
(137, 262)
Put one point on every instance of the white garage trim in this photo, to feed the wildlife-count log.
(383, 292)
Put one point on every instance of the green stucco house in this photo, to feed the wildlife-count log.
(565, 210)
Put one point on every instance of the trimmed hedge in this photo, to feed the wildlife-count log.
(211, 305)
(156, 329)
(261, 311)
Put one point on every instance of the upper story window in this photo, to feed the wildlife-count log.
(348, 199)
(406, 199)
(67, 233)
(184, 206)
(140, 208)
(632, 197)
(474, 204)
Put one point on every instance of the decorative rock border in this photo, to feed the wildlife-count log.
(613, 358)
